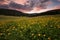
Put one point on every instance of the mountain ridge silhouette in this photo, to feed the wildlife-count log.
(9, 12)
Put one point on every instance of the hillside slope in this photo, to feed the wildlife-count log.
(18, 13)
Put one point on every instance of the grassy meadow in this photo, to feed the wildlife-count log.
(30, 28)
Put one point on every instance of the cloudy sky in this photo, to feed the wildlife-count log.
(30, 6)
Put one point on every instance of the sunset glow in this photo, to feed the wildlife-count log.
(30, 6)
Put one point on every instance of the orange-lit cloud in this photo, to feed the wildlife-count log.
(57, 7)
(49, 2)
(20, 1)
(31, 6)
(2, 2)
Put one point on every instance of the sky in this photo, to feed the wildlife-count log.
(30, 6)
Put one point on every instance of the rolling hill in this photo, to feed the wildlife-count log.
(9, 12)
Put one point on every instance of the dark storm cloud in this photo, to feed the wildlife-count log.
(4, 6)
(15, 5)
(18, 6)
(40, 3)
(31, 4)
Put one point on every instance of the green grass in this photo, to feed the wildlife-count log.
(30, 28)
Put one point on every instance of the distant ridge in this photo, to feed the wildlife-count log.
(9, 12)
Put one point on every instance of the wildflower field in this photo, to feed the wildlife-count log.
(30, 28)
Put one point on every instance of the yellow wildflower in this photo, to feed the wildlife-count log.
(32, 34)
(49, 38)
(44, 35)
(39, 34)
(1, 33)
(9, 33)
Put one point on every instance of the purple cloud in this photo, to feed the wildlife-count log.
(4, 6)
(31, 4)
(18, 6)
